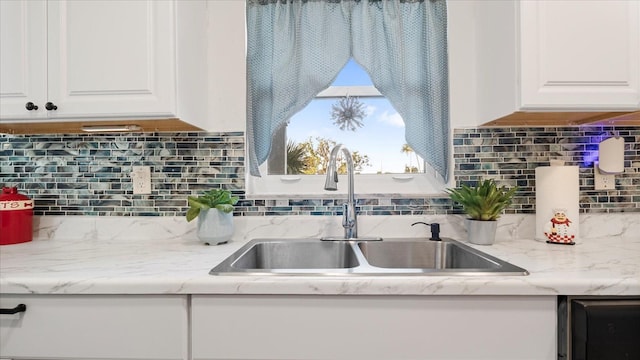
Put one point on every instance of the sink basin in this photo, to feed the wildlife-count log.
(297, 255)
(424, 254)
(395, 256)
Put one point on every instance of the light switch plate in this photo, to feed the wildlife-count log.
(141, 178)
(603, 181)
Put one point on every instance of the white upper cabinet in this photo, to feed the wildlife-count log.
(102, 59)
(23, 59)
(580, 55)
(111, 58)
(555, 56)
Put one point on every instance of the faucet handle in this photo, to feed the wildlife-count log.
(345, 215)
(435, 230)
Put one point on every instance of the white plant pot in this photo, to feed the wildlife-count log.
(481, 232)
(215, 227)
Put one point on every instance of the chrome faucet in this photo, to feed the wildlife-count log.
(349, 216)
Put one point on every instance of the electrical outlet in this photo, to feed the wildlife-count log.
(603, 181)
(141, 178)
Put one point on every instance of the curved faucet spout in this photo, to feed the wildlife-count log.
(349, 217)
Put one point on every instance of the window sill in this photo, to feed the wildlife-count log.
(366, 185)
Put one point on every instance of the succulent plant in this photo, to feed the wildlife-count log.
(484, 202)
(217, 198)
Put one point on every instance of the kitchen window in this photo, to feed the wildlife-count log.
(291, 66)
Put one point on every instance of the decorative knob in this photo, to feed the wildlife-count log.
(50, 106)
(31, 106)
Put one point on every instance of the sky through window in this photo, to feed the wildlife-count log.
(381, 137)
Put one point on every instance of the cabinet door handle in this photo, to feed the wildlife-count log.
(31, 106)
(50, 106)
(18, 309)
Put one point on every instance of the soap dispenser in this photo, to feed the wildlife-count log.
(435, 230)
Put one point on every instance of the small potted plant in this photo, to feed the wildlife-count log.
(483, 204)
(214, 210)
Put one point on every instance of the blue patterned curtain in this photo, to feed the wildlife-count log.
(296, 48)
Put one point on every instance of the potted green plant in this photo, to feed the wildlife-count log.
(483, 203)
(214, 210)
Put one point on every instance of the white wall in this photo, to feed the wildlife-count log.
(227, 66)
(462, 76)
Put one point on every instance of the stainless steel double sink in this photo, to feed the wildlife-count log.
(393, 256)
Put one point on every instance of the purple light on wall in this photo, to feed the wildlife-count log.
(590, 154)
(589, 157)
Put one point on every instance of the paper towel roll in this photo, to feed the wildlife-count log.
(557, 204)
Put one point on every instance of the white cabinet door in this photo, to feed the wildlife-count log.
(582, 55)
(23, 58)
(373, 327)
(88, 59)
(95, 327)
(111, 58)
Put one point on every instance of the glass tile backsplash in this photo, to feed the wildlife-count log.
(89, 174)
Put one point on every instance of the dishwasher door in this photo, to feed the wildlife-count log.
(597, 328)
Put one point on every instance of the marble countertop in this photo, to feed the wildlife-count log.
(110, 259)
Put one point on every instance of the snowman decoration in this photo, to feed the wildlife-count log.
(559, 230)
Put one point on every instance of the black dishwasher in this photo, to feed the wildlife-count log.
(599, 328)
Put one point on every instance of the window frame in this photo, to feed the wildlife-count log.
(366, 184)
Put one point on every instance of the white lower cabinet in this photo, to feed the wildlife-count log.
(105, 327)
(252, 327)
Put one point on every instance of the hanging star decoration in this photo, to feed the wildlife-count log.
(347, 113)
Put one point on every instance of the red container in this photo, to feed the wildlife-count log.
(16, 217)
